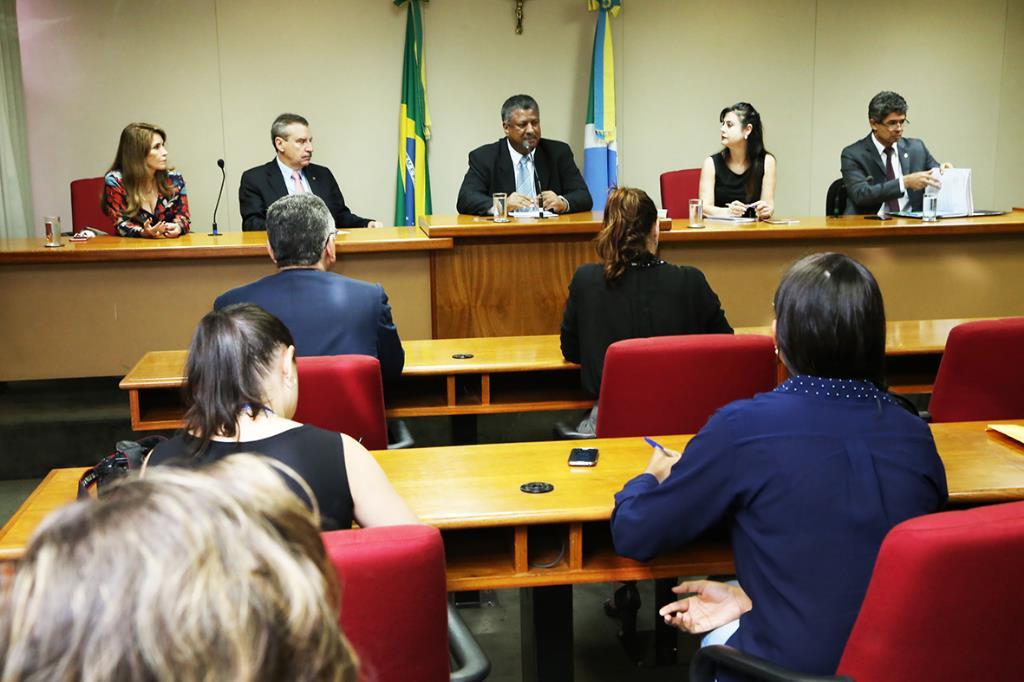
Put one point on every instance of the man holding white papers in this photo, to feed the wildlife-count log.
(530, 170)
(886, 172)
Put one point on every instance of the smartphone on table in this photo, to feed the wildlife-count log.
(583, 457)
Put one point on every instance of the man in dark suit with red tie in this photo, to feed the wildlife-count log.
(292, 173)
(886, 172)
(530, 170)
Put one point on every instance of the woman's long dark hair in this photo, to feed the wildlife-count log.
(830, 319)
(756, 152)
(228, 360)
(629, 215)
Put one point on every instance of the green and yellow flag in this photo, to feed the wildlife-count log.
(412, 192)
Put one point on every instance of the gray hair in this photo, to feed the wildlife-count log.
(884, 103)
(518, 102)
(280, 125)
(298, 226)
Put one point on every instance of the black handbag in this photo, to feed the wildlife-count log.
(128, 456)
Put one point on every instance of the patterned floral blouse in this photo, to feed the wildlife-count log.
(172, 210)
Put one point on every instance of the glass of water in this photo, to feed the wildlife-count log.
(696, 213)
(500, 207)
(930, 208)
(51, 225)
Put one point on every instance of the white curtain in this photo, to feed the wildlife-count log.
(15, 189)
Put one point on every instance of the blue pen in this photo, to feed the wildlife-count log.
(653, 443)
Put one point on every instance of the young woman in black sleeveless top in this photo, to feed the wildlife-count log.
(241, 391)
(740, 179)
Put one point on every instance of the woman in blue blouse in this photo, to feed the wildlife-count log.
(140, 195)
(809, 478)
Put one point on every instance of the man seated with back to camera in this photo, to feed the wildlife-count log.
(530, 170)
(886, 172)
(326, 313)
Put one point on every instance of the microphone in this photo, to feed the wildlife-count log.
(223, 177)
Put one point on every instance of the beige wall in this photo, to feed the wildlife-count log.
(216, 73)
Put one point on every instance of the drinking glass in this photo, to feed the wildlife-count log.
(501, 207)
(696, 213)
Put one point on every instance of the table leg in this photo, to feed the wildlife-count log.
(666, 639)
(546, 623)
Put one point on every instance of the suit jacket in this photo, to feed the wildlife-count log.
(864, 174)
(327, 314)
(490, 171)
(263, 185)
(653, 298)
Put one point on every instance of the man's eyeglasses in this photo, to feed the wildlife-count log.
(897, 125)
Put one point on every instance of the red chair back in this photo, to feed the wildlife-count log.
(394, 608)
(981, 372)
(86, 195)
(944, 601)
(672, 384)
(343, 393)
(677, 188)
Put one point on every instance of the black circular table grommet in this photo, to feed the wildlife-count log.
(462, 356)
(536, 487)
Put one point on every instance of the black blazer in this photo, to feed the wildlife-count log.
(263, 185)
(490, 171)
(652, 298)
(864, 174)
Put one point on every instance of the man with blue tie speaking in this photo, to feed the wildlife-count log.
(531, 170)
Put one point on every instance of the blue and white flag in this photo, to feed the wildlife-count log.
(600, 153)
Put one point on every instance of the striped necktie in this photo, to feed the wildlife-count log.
(524, 185)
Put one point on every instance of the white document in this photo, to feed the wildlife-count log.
(955, 196)
(533, 212)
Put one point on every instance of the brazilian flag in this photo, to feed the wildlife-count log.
(412, 193)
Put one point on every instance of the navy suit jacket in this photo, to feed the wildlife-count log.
(864, 174)
(327, 314)
(490, 171)
(263, 185)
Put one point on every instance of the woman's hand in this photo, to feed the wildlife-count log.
(737, 208)
(764, 209)
(661, 463)
(171, 230)
(153, 231)
(711, 605)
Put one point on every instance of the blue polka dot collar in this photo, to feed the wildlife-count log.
(843, 389)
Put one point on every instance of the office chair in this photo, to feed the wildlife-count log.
(86, 195)
(344, 393)
(981, 373)
(677, 188)
(944, 603)
(394, 606)
(835, 199)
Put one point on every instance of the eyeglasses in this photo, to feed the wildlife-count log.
(897, 125)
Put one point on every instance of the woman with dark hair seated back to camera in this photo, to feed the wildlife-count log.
(241, 391)
(632, 293)
(809, 478)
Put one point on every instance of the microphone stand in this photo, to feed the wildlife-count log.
(223, 177)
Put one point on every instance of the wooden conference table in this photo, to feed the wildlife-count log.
(472, 494)
(93, 309)
(499, 537)
(510, 280)
(504, 374)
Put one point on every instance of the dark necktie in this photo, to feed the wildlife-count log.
(893, 204)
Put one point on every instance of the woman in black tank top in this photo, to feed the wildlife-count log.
(740, 179)
(241, 390)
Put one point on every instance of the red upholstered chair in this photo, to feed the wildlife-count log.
(343, 393)
(677, 188)
(394, 606)
(672, 384)
(981, 372)
(85, 206)
(944, 603)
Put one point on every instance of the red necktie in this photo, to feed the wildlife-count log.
(892, 204)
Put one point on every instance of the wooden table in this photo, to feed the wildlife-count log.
(509, 280)
(494, 534)
(93, 308)
(505, 374)
(472, 494)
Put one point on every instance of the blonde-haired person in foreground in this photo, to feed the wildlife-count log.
(217, 574)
